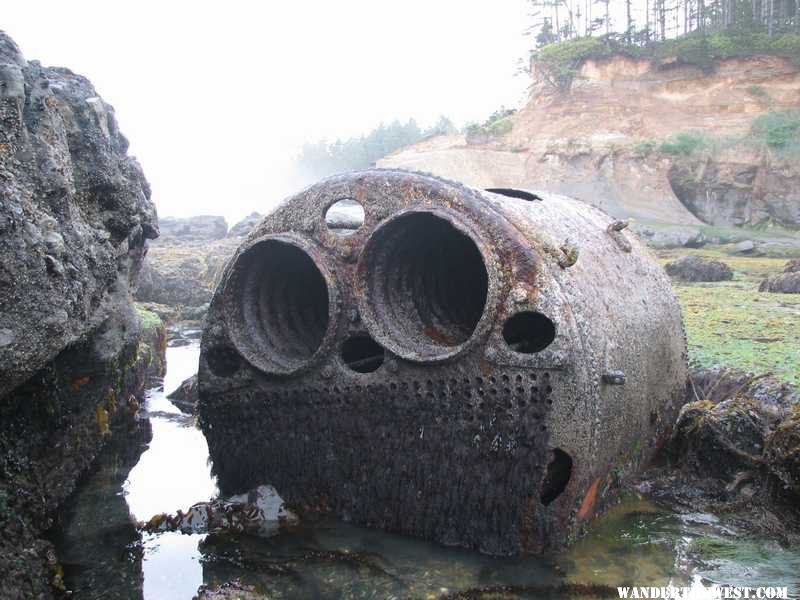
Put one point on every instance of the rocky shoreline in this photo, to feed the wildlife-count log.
(75, 353)
(55, 426)
(734, 452)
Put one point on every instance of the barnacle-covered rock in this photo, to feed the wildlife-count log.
(75, 217)
(720, 440)
(261, 511)
(782, 452)
(787, 282)
(185, 396)
(696, 268)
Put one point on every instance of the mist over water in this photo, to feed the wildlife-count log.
(217, 99)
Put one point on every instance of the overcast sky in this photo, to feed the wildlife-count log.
(216, 98)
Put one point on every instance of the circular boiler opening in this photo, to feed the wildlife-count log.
(529, 332)
(424, 285)
(362, 354)
(284, 306)
(345, 217)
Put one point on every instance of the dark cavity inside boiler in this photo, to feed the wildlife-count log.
(426, 282)
(284, 305)
(481, 369)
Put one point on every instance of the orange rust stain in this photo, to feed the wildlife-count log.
(526, 269)
(485, 367)
(589, 500)
(439, 337)
(77, 384)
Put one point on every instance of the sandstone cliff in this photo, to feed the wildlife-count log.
(600, 142)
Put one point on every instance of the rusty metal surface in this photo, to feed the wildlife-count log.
(475, 368)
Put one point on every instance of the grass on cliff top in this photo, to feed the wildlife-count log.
(560, 60)
(732, 324)
(148, 319)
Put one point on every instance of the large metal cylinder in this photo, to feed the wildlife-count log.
(480, 368)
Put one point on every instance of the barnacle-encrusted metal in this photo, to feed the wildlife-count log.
(477, 368)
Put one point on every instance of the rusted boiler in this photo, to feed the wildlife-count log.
(479, 368)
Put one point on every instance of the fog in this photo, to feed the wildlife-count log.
(217, 98)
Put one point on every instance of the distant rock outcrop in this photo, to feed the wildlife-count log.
(182, 269)
(174, 283)
(182, 275)
(75, 216)
(192, 229)
(736, 193)
(246, 225)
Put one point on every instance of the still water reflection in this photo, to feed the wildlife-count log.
(173, 473)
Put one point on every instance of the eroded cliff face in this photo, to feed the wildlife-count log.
(74, 353)
(588, 143)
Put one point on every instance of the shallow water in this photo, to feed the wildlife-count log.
(635, 544)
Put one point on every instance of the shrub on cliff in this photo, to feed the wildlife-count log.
(779, 130)
(693, 49)
(501, 126)
(497, 125)
(685, 143)
(558, 63)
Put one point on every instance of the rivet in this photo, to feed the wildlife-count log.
(570, 254)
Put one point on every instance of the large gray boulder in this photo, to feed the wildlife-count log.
(74, 217)
(782, 283)
(674, 236)
(178, 283)
(697, 268)
(183, 274)
(185, 396)
(787, 282)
